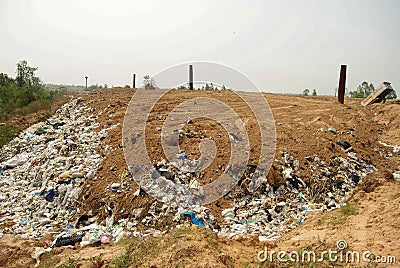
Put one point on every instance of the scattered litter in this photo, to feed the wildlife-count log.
(345, 145)
(333, 130)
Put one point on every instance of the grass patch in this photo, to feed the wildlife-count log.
(348, 210)
(176, 233)
(49, 263)
(72, 263)
(7, 133)
(34, 106)
(139, 251)
(124, 260)
(337, 216)
(211, 238)
(342, 215)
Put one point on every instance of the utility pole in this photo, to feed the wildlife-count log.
(86, 81)
(134, 81)
(190, 77)
(342, 83)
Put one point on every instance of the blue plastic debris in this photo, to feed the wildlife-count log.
(50, 195)
(195, 220)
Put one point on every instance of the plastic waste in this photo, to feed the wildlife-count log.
(193, 218)
(333, 130)
(67, 240)
(50, 195)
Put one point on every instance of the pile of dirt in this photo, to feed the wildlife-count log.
(389, 116)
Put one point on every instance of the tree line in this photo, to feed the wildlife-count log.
(365, 89)
(25, 90)
(362, 91)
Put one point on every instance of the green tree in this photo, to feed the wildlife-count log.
(148, 82)
(392, 95)
(207, 87)
(306, 92)
(27, 81)
(5, 81)
(363, 90)
(314, 93)
(25, 89)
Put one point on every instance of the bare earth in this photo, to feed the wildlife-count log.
(372, 225)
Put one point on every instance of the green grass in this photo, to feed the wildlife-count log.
(72, 263)
(7, 133)
(140, 251)
(34, 106)
(124, 260)
(348, 210)
(343, 213)
(49, 263)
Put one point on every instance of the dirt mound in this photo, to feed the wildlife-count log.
(389, 116)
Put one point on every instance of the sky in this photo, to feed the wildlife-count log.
(282, 46)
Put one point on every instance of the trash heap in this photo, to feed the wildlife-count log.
(44, 170)
(45, 167)
(270, 211)
(175, 182)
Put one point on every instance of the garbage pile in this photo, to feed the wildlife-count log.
(45, 167)
(267, 210)
(175, 182)
(271, 211)
(44, 170)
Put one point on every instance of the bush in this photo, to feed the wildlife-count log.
(25, 93)
(7, 133)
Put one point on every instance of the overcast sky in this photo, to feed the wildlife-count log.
(283, 46)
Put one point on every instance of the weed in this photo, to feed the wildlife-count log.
(72, 263)
(348, 210)
(124, 260)
(7, 133)
(49, 263)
